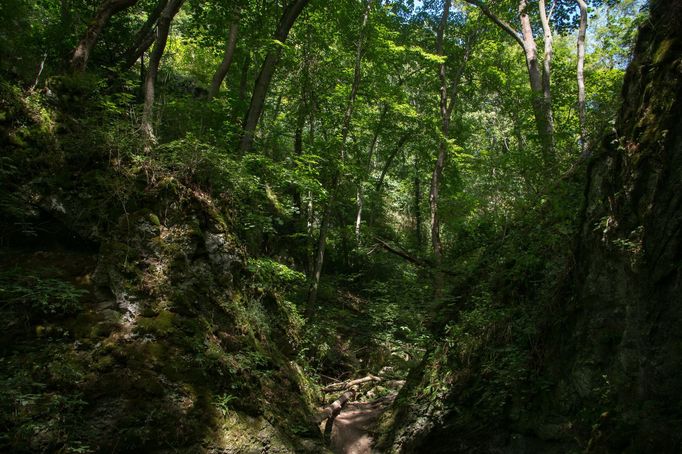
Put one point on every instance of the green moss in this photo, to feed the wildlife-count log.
(154, 219)
(162, 324)
(663, 51)
(104, 363)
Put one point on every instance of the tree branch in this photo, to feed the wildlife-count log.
(500, 23)
(414, 260)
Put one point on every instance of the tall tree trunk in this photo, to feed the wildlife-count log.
(442, 146)
(163, 29)
(291, 13)
(417, 205)
(541, 110)
(144, 37)
(582, 30)
(319, 259)
(345, 129)
(237, 113)
(547, 77)
(224, 67)
(399, 146)
(360, 196)
(108, 8)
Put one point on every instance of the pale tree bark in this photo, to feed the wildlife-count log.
(163, 29)
(224, 67)
(144, 38)
(345, 129)
(582, 31)
(547, 77)
(542, 110)
(108, 8)
(39, 71)
(291, 13)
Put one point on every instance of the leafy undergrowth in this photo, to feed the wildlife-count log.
(367, 322)
(482, 378)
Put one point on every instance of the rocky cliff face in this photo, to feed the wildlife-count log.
(602, 373)
(628, 283)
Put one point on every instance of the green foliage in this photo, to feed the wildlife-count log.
(42, 296)
(273, 275)
(222, 403)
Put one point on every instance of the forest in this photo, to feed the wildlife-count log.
(350, 226)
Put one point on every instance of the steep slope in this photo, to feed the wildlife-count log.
(133, 319)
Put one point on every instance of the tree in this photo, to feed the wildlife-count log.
(345, 129)
(224, 67)
(291, 13)
(169, 12)
(582, 30)
(539, 79)
(144, 37)
(108, 8)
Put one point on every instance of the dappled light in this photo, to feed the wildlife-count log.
(358, 226)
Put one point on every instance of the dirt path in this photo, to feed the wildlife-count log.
(353, 427)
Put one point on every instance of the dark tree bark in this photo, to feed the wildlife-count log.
(163, 29)
(224, 67)
(417, 206)
(144, 37)
(399, 146)
(260, 90)
(108, 8)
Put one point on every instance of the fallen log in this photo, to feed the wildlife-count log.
(349, 384)
(333, 410)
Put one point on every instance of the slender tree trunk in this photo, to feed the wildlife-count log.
(541, 110)
(547, 78)
(165, 20)
(39, 71)
(108, 8)
(442, 146)
(360, 196)
(144, 37)
(224, 67)
(319, 260)
(582, 30)
(399, 146)
(417, 205)
(291, 13)
(542, 116)
(237, 114)
(345, 129)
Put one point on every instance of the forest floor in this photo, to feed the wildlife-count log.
(353, 429)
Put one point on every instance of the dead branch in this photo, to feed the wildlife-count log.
(410, 258)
